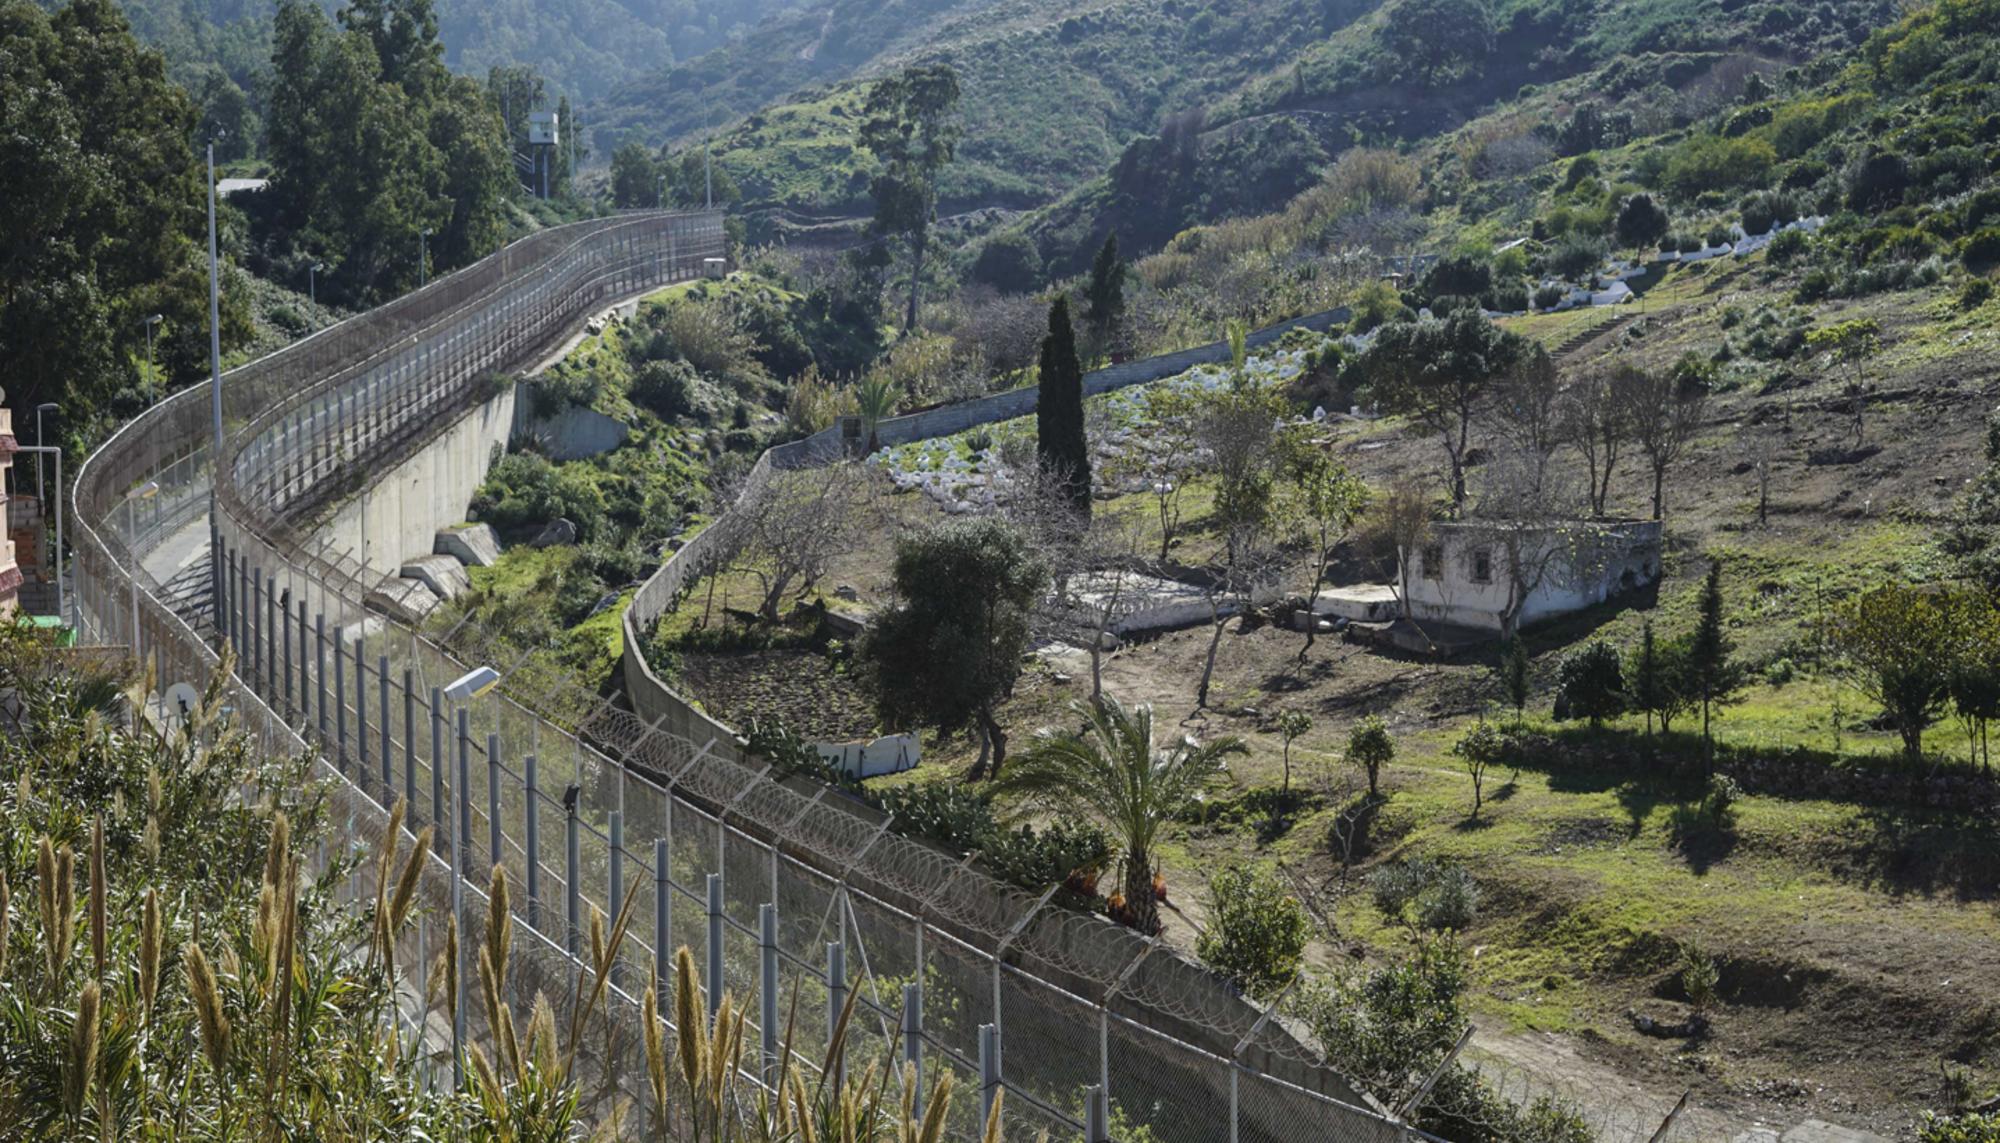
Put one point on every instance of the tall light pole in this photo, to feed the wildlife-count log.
(707, 175)
(423, 257)
(44, 407)
(215, 555)
(146, 492)
(660, 196)
(312, 285)
(152, 382)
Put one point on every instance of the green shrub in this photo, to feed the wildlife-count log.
(1981, 251)
(1590, 684)
(1787, 247)
(1257, 931)
(1450, 901)
(1970, 1128)
(1576, 256)
(1429, 895)
(1709, 162)
(1975, 293)
(1765, 209)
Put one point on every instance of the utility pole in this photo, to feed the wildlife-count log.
(151, 382)
(707, 174)
(44, 407)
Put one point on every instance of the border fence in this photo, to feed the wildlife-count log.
(788, 895)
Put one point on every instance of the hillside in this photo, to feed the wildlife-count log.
(1052, 93)
(1411, 72)
(581, 46)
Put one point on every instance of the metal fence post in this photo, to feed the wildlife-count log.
(410, 738)
(1096, 1115)
(836, 1003)
(463, 794)
(989, 1070)
(388, 755)
(767, 988)
(534, 841)
(253, 603)
(319, 670)
(714, 943)
(271, 623)
(616, 901)
(458, 864)
(305, 665)
(361, 709)
(495, 839)
(663, 914)
(575, 860)
(286, 625)
(913, 1035)
(339, 702)
(437, 759)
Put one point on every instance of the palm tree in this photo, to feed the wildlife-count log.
(876, 399)
(1113, 771)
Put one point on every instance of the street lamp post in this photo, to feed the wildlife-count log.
(146, 492)
(423, 257)
(152, 382)
(312, 285)
(44, 407)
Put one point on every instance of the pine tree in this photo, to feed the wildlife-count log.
(1059, 438)
(1716, 679)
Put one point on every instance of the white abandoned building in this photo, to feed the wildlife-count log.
(1496, 575)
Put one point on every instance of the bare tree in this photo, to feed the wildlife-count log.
(1528, 414)
(1006, 329)
(1761, 447)
(1093, 564)
(1322, 499)
(1666, 413)
(1232, 590)
(795, 524)
(1167, 457)
(1398, 523)
(1596, 419)
(1530, 536)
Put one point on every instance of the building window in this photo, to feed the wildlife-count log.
(1433, 559)
(1482, 566)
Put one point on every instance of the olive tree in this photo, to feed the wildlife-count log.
(950, 648)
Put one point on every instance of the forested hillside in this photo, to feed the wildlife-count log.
(220, 49)
(1052, 92)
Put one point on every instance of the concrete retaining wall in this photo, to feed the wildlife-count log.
(399, 514)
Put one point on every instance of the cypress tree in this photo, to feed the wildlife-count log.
(1059, 438)
(1715, 677)
(1105, 297)
(1514, 668)
(1646, 686)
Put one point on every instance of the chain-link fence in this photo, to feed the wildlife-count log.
(788, 895)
